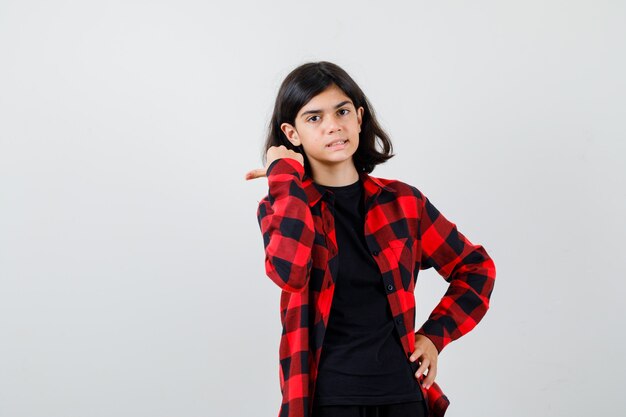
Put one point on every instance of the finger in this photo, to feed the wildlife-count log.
(423, 367)
(430, 378)
(415, 355)
(255, 173)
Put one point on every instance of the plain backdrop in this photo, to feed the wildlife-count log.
(131, 261)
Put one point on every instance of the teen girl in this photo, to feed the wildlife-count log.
(345, 248)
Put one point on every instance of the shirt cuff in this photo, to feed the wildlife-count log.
(285, 166)
(431, 329)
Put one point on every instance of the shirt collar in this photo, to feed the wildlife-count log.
(372, 186)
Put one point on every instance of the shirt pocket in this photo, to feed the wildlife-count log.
(402, 252)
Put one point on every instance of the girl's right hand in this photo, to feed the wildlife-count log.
(274, 153)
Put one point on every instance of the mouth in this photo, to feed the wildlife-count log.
(337, 143)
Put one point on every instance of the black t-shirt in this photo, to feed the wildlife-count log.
(362, 360)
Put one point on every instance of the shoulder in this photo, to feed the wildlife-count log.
(399, 187)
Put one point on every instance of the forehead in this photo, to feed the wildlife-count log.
(326, 100)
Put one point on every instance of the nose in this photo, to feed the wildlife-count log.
(333, 124)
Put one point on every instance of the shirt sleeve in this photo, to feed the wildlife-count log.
(466, 266)
(287, 226)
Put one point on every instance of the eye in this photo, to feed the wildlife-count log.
(309, 119)
(346, 111)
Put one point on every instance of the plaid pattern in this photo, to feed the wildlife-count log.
(405, 234)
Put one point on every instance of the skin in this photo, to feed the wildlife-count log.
(426, 353)
(332, 167)
(319, 122)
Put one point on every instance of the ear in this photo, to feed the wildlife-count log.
(291, 133)
(359, 116)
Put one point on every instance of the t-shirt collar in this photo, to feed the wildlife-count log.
(372, 186)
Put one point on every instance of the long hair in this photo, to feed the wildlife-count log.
(304, 83)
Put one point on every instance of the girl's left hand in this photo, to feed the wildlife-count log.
(426, 352)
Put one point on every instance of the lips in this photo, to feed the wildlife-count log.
(337, 143)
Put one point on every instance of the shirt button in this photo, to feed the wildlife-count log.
(390, 287)
(399, 320)
(375, 253)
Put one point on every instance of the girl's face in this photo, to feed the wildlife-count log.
(327, 118)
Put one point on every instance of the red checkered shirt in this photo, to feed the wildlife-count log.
(404, 232)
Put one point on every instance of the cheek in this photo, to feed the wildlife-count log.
(308, 147)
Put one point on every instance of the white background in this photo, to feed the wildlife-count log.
(131, 261)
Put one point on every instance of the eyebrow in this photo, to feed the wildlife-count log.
(319, 111)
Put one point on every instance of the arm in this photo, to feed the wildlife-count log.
(466, 266)
(287, 226)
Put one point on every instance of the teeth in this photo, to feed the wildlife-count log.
(338, 142)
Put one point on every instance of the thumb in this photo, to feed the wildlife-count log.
(255, 173)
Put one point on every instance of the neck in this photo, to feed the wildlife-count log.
(336, 175)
